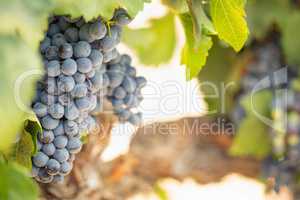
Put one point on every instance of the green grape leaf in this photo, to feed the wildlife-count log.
(194, 53)
(218, 71)
(26, 17)
(90, 9)
(17, 59)
(228, 17)
(249, 141)
(253, 142)
(290, 38)
(154, 45)
(15, 183)
(22, 151)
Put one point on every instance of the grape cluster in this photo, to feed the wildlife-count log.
(80, 61)
(124, 91)
(284, 162)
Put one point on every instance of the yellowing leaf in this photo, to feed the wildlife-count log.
(229, 19)
(194, 53)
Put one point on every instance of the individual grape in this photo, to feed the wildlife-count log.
(58, 178)
(96, 57)
(82, 49)
(71, 34)
(47, 98)
(46, 136)
(117, 103)
(105, 44)
(51, 86)
(119, 93)
(115, 78)
(124, 114)
(65, 83)
(40, 109)
(64, 99)
(49, 123)
(129, 84)
(53, 29)
(97, 81)
(71, 128)
(117, 68)
(52, 167)
(125, 59)
(135, 119)
(71, 111)
(83, 104)
(84, 34)
(61, 155)
(74, 145)
(53, 68)
(63, 23)
(69, 67)
(80, 90)
(91, 73)
(48, 149)
(60, 141)
(51, 52)
(110, 55)
(79, 77)
(45, 44)
(56, 111)
(39, 145)
(65, 51)
(91, 124)
(84, 65)
(58, 39)
(105, 81)
(97, 30)
(59, 130)
(40, 159)
(65, 168)
(34, 171)
(43, 176)
(121, 17)
(131, 71)
(140, 82)
(131, 100)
